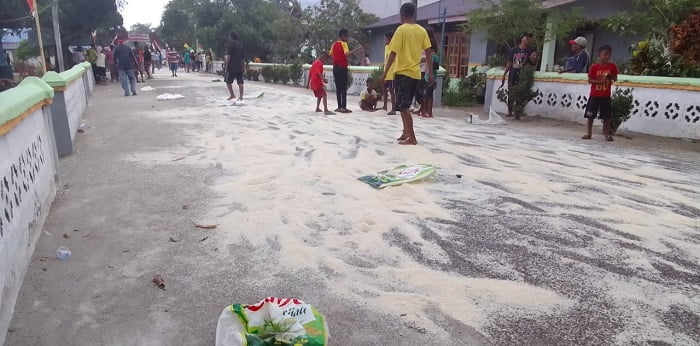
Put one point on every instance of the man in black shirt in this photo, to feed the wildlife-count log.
(518, 57)
(126, 62)
(235, 66)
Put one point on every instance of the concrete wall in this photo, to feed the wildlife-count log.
(664, 106)
(359, 79)
(28, 181)
(72, 92)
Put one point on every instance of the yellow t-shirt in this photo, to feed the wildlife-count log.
(392, 70)
(408, 41)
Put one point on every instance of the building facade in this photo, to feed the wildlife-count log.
(463, 49)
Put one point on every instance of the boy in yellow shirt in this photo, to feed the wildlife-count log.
(406, 46)
(389, 83)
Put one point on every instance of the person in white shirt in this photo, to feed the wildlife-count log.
(101, 66)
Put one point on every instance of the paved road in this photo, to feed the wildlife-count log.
(542, 239)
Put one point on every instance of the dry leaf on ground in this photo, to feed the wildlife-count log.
(159, 281)
(205, 226)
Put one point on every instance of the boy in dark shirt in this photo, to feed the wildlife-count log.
(518, 57)
(234, 66)
(601, 77)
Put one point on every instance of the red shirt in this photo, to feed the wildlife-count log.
(316, 83)
(338, 52)
(598, 71)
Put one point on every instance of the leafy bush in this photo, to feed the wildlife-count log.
(26, 51)
(267, 73)
(455, 98)
(296, 71)
(283, 74)
(376, 76)
(256, 75)
(622, 104)
(248, 74)
(350, 79)
(496, 60)
(521, 94)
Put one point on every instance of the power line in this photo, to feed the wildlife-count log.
(29, 16)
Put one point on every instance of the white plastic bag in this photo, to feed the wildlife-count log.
(494, 119)
(166, 96)
(273, 321)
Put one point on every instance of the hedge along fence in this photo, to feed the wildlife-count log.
(28, 182)
(663, 106)
(358, 77)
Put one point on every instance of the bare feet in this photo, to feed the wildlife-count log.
(318, 110)
(391, 113)
(231, 97)
(609, 138)
(409, 141)
(586, 137)
(403, 137)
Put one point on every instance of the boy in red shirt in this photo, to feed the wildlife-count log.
(317, 82)
(601, 77)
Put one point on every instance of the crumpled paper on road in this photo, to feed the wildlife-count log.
(166, 96)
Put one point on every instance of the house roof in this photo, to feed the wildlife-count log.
(456, 9)
(428, 12)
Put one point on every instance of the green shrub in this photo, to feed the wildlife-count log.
(496, 60)
(267, 73)
(296, 71)
(521, 93)
(376, 76)
(256, 75)
(622, 104)
(283, 74)
(350, 80)
(276, 74)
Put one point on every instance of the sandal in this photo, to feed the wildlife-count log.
(586, 137)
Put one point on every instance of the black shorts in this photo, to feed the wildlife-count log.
(406, 89)
(231, 76)
(599, 105)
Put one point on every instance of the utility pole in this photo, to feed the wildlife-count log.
(40, 39)
(415, 3)
(57, 36)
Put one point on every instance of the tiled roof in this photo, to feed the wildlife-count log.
(428, 12)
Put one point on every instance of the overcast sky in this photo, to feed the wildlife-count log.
(150, 11)
(143, 11)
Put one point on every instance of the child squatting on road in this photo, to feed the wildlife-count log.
(369, 97)
(601, 77)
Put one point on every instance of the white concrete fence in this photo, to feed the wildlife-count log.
(29, 142)
(663, 106)
(358, 74)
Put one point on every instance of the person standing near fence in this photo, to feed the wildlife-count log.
(340, 53)
(126, 63)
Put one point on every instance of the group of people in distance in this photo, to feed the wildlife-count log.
(411, 46)
(601, 76)
(402, 77)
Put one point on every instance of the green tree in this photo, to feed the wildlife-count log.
(141, 28)
(504, 21)
(651, 17)
(26, 51)
(325, 19)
